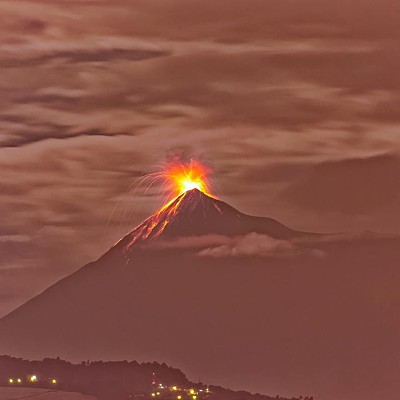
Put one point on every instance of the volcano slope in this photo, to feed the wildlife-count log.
(238, 300)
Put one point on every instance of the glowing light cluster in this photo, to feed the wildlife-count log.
(30, 379)
(173, 180)
(181, 393)
(182, 177)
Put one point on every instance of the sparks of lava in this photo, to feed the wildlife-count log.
(178, 177)
(183, 177)
(172, 179)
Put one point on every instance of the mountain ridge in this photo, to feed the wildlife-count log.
(262, 319)
(195, 213)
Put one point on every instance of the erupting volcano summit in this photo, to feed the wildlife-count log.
(195, 213)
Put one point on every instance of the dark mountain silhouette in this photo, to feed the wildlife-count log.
(118, 380)
(301, 319)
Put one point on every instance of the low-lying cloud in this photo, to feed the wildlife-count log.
(253, 244)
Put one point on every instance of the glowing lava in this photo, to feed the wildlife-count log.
(176, 179)
(182, 177)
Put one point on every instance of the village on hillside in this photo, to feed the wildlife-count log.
(117, 380)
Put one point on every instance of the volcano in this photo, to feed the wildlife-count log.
(282, 323)
(194, 213)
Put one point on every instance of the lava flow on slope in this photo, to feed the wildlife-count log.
(194, 213)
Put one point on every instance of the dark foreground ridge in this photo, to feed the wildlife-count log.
(117, 380)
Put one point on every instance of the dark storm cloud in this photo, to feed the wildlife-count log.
(25, 138)
(83, 57)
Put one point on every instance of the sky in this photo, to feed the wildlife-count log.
(294, 105)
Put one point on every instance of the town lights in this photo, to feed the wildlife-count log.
(174, 388)
(153, 395)
(192, 391)
(11, 381)
(194, 397)
(53, 381)
(179, 397)
(33, 378)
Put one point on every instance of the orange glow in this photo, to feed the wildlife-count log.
(174, 179)
(182, 177)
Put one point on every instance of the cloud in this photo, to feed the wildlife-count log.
(192, 242)
(253, 244)
(20, 139)
(350, 186)
(249, 245)
(260, 245)
(18, 238)
(83, 56)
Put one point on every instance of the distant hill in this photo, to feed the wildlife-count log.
(10, 393)
(118, 380)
